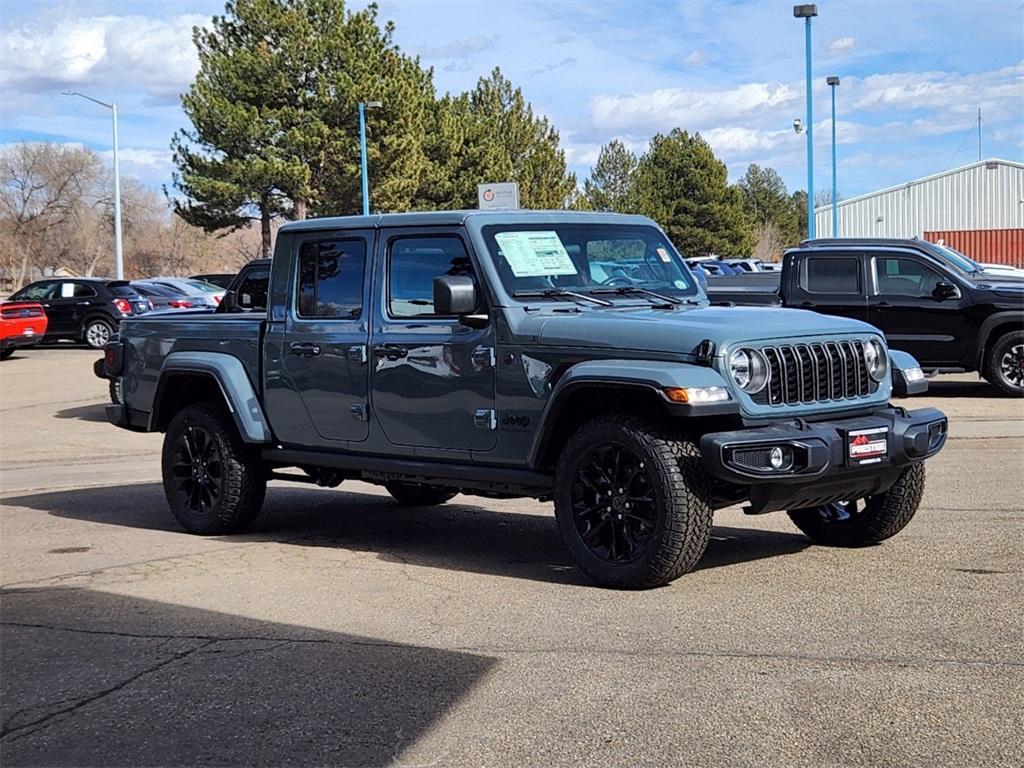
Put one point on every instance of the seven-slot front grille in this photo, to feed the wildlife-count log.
(817, 372)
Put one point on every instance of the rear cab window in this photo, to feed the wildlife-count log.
(252, 293)
(331, 277)
(830, 275)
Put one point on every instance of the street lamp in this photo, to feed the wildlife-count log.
(833, 83)
(112, 106)
(363, 106)
(807, 12)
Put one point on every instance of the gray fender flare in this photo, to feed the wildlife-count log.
(651, 375)
(230, 375)
(900, 361)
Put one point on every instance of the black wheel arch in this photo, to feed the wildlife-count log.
(993, 328)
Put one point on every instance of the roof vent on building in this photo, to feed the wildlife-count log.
(991, 166)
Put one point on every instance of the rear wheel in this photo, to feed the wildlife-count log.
(1004, 365)
(632, 503)
(97, 333)
(115, 389)
(415, 495)
(5, 353)
(861, 522)
(214, 483)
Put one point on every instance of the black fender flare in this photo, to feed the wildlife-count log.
(991, 322)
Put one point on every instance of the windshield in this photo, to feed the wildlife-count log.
(957, 259)
(586, 258)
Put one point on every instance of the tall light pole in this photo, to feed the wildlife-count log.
(807, 12)
(363, 106)
(118, 260)
(833, 83)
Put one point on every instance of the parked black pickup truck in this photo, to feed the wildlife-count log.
(940, 309)
(558, 355)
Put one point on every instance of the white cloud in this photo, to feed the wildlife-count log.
(842, 45)
(667, 108)
(459, 49)
(154, 54)
(737, 140)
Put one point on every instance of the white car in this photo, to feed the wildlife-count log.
(201, 293)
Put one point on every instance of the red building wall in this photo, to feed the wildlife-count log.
(989, 246)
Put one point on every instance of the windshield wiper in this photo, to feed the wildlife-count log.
(626, 290)
(560, 293)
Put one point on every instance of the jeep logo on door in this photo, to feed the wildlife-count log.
(515, 421)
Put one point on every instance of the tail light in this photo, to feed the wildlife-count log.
(123, 306)
(217, 298)
(179, 304)
(113, 358)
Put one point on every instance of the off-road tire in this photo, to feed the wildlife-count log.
(881, 517)
(416, 495)
(993, 372)
(681, 493)
(96, 340)
(243, 476)
(5, 353)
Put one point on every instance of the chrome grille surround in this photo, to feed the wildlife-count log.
(815, 372)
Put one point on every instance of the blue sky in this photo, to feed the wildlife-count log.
(914, 74)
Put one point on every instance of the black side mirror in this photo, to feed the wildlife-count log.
(944, 290)
(455, 295)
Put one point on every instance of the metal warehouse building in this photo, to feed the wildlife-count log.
(977, 209)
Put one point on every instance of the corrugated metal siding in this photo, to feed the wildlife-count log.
(991, 246)
(985, 195)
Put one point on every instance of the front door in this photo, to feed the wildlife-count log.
(67, 307)
(321, 356)
(914, 317)
(432, 382)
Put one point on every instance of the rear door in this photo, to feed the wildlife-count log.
(905, 306)
(321, 353)
(432, 382)
(830, 283)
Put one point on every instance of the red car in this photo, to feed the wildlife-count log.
(22, 324)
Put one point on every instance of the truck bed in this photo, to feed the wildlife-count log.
(753, 288)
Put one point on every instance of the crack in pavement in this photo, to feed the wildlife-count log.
(10, 733)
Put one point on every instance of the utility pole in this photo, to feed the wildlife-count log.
(979, 134)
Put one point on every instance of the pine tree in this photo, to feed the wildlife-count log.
(275, 121)
(491, 134)
(684, 187)
(610, 186)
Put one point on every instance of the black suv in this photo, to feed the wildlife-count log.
(84, 308)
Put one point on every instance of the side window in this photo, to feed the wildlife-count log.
(82, 290)
(904, 277)
(830, 274)
(330, 278)
(413, 264)
(35, 292)
(252, 293)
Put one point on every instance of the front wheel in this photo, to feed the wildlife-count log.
(214, 483)
(97, 333)
(1004, 365)
(632, 503)
(415, 495)
(5, 353)
(861, 522)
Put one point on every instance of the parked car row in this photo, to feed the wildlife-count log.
(89, 309)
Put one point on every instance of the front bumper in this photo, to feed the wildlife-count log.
(819, 465)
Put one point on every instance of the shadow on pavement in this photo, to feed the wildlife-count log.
(94, 412)
(980, 388)
(90, 678)
(457, 536)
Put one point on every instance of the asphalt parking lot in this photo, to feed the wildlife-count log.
(344, 630)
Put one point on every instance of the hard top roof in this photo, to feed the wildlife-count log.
(458, 218)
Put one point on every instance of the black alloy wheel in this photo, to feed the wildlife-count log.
(198, 470)
(613, 503)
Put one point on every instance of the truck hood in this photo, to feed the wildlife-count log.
(683, 330)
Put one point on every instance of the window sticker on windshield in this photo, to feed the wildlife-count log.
(663, 255)
(535, 254)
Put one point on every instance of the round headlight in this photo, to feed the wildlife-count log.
(749, 370)
(876, 358)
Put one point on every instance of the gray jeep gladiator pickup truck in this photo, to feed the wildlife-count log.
(563, 356)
